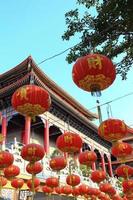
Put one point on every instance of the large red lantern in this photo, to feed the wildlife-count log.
(87, 157)
(31, 183)
(93, 73)
(124, 171)
(34, 168)
(17, 183)
(121, 150)
(11, 171)
(98, 176)
(6, 159)
(52, 182)
(58, 163)
(66, 190)
(32, 152)
(31, 100)
(69, 142)
(112, 130)
(73, 180)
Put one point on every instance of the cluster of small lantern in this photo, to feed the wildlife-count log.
(93, 73)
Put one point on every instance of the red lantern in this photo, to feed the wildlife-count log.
(127, 186)
(75, 191)
(93, 191)
(124, 171)
(32, 152)
(31, 100)
(116, 197)
(58, 163)
(112, 130)
(103, 196)
(93, 73)
(52, 182)
(69, 142)
(3, 181)
(47, 190)
(34, 168)
(66, 190)
(83, 189)
(97, 176)
(6, 159)
(58, 190)
(35, 189)
(121, 150)
(73, 180)
(87, 157)
(36, 183)
(17, 183)
(107, 188)
(11, 171)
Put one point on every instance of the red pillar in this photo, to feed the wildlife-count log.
(4, 128)
(23, 136)
(65, 153)
(93, 164)
(26, 136)
(103, 162)
(46, 136)
(110, 166)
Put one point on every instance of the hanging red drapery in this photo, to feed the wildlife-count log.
(46, 136)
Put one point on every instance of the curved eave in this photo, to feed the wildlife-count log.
(50, 84)
(15, 69)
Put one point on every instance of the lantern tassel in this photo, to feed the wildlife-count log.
(96, 93)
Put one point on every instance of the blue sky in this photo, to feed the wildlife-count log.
(34, 28)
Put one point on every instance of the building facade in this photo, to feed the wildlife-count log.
(65, 114)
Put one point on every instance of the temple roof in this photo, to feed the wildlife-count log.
(17, 74)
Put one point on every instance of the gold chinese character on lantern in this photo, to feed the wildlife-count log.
(53, 162)
(31, 150)
(10, 169)
(68, 139)
(22, 92)
(94, 62)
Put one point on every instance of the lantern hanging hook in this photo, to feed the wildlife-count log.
(109, 111)
(99, 111)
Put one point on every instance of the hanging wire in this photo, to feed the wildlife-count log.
(116, 99)
(101, 34)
